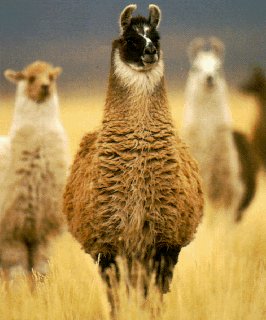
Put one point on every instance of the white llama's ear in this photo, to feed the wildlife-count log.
(126, 16)
(217, 46)
(14, 76)
(194, 47)
(56, 72)
(155, 15)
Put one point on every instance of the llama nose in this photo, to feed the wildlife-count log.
(210, 80)
(150, 49)
(45, 88)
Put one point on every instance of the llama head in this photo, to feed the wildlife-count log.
(38, 80)
(256, 84)
(139, 45)
(206, 64)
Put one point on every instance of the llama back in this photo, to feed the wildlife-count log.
(256, 85)
(259, 141)
(249, 169)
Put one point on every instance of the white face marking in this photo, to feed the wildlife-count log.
(148, 40)
(207, 62)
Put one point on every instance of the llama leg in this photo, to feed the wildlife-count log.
(40, 258)
(110, 274)
(106, 262)
(164, 261)
(239, 215)
(14, 258)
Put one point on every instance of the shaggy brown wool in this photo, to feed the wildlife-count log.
(133, 184)
(133, 187)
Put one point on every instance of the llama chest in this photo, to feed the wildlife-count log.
(4, 156)
(218, 161)
(34, 186)
(136, 187)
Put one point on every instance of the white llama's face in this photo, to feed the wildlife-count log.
(38, 78)
(207, 70)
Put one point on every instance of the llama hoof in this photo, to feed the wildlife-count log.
(41, 270)
(16, 271)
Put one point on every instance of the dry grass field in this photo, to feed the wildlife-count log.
(221, 275)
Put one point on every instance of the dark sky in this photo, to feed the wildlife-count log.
(77, 35)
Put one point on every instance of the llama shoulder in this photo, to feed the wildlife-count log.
(188, 171)
(81, 166)
(81, 169)
(190, 194)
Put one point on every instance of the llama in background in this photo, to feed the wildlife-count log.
(224, 156)
(256, 85)
(134, 190)
(34, 177)
(4, 155)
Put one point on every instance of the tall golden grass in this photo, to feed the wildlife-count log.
(221, 275)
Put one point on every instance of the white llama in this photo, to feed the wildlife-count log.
(224, 155)
(4, 155)
(34, 179)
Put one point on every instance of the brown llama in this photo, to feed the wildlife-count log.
(256, 85)
(134, 190)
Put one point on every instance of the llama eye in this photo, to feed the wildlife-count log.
(130, 42)
(32, 79)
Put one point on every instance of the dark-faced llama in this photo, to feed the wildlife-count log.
(225, 157)
(134, 190)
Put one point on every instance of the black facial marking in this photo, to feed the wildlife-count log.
(132, 43)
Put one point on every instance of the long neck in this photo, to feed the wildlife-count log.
(135, 99)
(206, 106)
(38, 115)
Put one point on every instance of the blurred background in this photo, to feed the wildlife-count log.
(77, 35)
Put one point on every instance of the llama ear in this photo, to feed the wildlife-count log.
(155, 15)
(217, 47)
(126, 16)
(14, 76)
(194, 47)
(56, 72)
